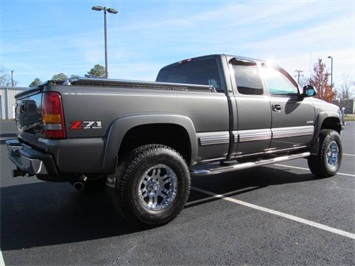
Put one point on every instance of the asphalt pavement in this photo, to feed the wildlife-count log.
(274, 215)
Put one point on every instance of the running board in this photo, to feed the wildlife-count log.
(239, 166)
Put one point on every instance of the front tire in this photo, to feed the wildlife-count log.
(153, 185)
(327, 161)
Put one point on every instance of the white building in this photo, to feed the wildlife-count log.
(8, 102)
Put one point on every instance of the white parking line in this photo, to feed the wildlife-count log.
(2, 262)
(277, 213)
(306, 169)
(347, 154)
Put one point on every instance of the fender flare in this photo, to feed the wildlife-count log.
(119, 128)
(321, 117)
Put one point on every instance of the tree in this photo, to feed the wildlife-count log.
(345, 88)
(59, 77)
(35, 82)
(3, 76)
(5, 79)
(98, 71)
(320, 81)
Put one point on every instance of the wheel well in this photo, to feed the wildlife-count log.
(171, 135)
(332, 123)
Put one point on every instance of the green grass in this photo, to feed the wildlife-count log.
(349, 117)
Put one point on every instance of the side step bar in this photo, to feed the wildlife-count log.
(239, 166)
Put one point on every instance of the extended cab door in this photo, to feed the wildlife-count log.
(292, 116)
(252, 128)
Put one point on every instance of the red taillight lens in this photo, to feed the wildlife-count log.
(52, 115)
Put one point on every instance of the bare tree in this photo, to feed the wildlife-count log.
(5, 79)
(345, 91)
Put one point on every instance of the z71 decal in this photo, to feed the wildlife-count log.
(80, 125)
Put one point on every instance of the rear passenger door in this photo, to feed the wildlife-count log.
(292, 116)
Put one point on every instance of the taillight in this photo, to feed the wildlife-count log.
(52, 115)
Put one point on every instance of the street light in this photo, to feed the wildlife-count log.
(112, 11)
(331, 67)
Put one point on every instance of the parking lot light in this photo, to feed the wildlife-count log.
(112, 11)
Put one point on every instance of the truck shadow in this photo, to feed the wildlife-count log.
(240, 182)
(42, 214)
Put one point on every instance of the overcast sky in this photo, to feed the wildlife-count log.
(40, 38)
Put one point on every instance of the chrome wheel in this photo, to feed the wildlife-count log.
(158, 187)
(332, 155)
(153, 186)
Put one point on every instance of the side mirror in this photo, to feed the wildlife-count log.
(309, 91)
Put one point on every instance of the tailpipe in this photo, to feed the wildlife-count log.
(80, 183)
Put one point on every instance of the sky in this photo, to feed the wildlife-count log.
(41, 38)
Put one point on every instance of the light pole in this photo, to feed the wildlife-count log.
(112, 11)
(331, 67)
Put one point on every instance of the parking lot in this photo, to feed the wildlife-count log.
(274, 215)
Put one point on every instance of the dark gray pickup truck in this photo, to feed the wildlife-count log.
(202, 116)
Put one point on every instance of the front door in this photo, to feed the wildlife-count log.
(292, 116)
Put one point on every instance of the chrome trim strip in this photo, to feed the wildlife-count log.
(252, 135)
(274, 133)
(255, 135)
(214, 139)
(289, 132)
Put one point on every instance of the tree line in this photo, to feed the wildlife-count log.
(98, 71)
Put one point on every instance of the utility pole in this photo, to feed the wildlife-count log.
(12, 78)
(299, 75)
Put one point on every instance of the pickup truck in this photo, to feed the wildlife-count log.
(203, 116)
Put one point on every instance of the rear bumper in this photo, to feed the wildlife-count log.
(30, 161)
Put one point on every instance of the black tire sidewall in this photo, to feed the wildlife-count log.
(327, 137)
(318, 163)
(146, 159)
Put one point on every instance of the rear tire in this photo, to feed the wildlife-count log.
(328, 159)
(153, 185)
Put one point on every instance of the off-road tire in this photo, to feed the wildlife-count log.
(153, 185)
(327, 161)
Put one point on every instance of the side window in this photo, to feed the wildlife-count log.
(277, 83)
(247, 77)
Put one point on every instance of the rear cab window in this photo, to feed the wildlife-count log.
(192, 71)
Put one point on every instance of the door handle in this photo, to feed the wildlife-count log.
(276, 107)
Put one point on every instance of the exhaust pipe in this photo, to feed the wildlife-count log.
(80, 183)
